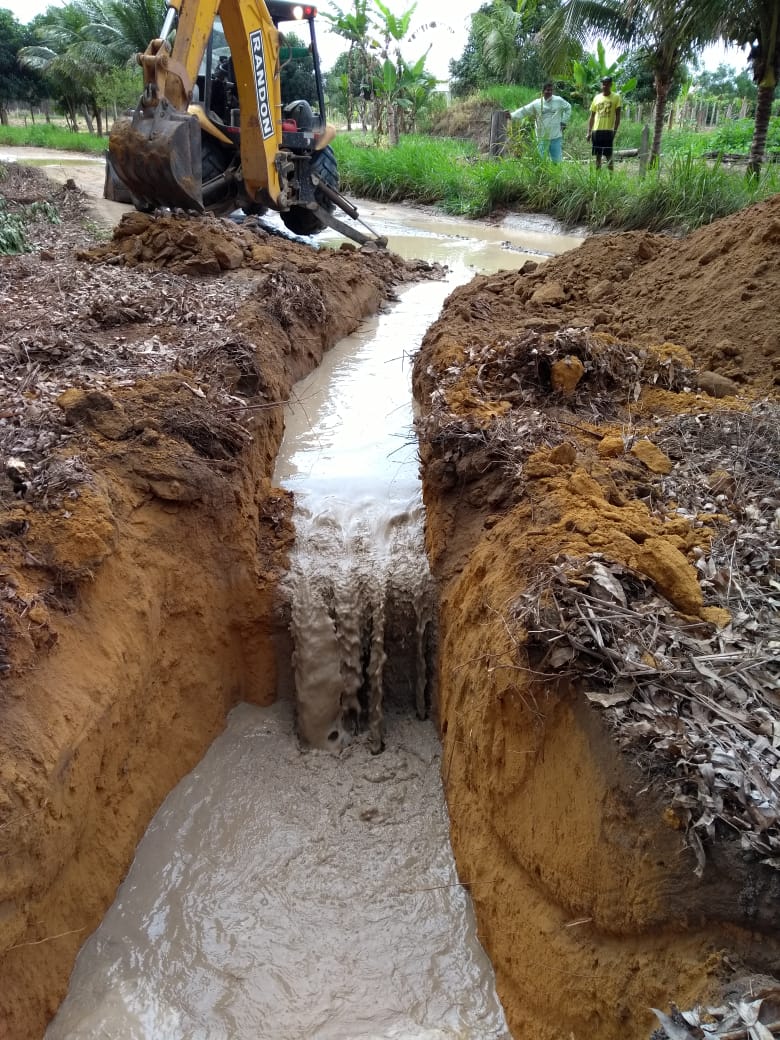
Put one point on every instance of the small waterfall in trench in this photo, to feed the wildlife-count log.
(361, 620)
(359, 588)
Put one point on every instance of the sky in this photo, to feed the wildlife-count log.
(447, 39)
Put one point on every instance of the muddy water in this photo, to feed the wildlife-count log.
(284, 892)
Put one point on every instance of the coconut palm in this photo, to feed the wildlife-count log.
(82, 43)
(124, 27)
(669, 32)
(64, 57)
(505, 35)
(756, 23)
(500, 32)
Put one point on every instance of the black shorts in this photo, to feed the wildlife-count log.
(601, 141)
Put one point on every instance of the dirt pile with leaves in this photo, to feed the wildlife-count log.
(600, 447)
(142, 380)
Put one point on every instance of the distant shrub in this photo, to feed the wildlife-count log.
(13, 223)
(736, 135)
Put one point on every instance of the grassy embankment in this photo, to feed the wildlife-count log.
(47, 135)
(684, 192)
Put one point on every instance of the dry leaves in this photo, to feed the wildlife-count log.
(701, 705)
(754, 1015)
(521, 371)
(698, 704)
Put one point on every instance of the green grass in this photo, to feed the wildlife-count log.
(44, 135)
(736, 136)
(683, 193)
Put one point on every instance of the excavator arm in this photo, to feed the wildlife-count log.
(157, 153)
(184, 148)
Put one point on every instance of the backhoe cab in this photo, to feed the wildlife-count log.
(214, 129)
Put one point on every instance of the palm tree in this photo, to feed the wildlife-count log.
(85, 41)
(500, 32)
(124, 27)
(757, 23)
(64, 58)
(669, 32)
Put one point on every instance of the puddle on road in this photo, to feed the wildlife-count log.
(287, 893)
(417, 233)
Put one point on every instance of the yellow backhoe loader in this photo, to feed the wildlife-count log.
(212, 130)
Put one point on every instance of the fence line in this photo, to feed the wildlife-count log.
(700, 114)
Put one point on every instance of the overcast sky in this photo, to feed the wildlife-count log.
(447, 40)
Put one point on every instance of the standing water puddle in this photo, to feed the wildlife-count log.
(284, 892)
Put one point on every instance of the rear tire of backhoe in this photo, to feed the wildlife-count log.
(303, 221)
(216, 160)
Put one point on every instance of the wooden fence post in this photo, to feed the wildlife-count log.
(497, 133)
(644, 150)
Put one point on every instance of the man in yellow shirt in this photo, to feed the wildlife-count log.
(604, 122)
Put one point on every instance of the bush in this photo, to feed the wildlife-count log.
(13, 223)
(683, 193)
(736, 135)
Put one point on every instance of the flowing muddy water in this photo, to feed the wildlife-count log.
(283, 892)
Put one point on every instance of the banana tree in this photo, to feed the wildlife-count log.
(403, 90)
(418, 85)
(387, 88)
(355, 27)
(586, 75)
(394, 77)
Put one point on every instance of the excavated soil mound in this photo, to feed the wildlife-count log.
(468, 120)
(713, 292)
(599, 439)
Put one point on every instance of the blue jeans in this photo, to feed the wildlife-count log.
(554, 147)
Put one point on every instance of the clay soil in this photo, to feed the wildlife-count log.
(576, 507)
(143, 383)
(142, 543)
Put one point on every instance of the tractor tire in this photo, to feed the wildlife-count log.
(216, 158)
(303, 221)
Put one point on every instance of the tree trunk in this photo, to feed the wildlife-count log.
(497, 144)
(88, 120)
(766, 95)
(349, 87)
(644, 150)
(392, 124)
(661, 94)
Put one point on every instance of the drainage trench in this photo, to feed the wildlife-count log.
(282, 891)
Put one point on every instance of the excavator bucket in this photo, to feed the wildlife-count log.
(156, 154)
